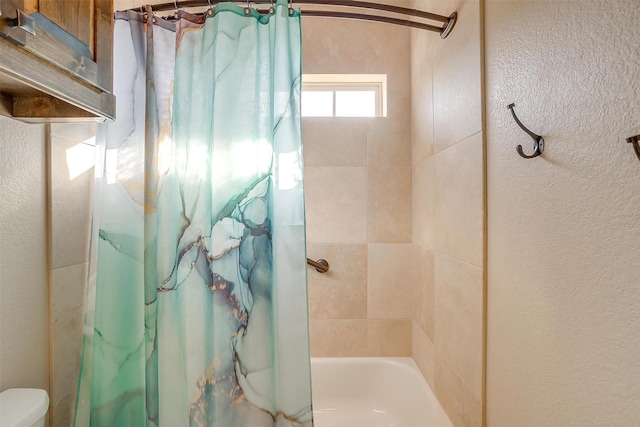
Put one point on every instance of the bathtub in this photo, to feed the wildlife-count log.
(373, 392)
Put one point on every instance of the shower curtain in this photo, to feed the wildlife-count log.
(196, 311)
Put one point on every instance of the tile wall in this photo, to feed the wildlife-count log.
(358, 190)
(358, 194)
(448, 211)
(358, 174)
(358, 197)
(70, 216)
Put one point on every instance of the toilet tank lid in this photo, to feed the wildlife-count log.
(22, 406)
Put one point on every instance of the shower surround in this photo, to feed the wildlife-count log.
(449, 211)
(358, 196)
(370, 211)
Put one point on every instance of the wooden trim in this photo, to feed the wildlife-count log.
(28, 70)
(31, 6)
(74, 16)
(46, 107)
(104, 43)
(53, 50)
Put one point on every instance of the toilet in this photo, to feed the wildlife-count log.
(23, 407)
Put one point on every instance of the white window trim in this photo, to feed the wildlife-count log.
(350, 82)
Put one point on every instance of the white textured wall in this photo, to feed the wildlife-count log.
(24, 328)
(564, 229)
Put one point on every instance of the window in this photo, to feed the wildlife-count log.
(344, 95)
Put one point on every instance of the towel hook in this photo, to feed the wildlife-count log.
(635, 141)
(538, 145)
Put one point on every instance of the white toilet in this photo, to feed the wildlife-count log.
(23, 407)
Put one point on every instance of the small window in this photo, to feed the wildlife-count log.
(344, 95)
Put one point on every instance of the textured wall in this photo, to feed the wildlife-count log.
(448, 211)
(24, 308)
(564, 228)
(358, 197)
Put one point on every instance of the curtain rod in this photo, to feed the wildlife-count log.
(444, 31)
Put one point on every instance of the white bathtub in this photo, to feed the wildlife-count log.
(373, 392)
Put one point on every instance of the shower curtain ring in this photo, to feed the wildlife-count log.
(291, 12)
(177, 12)
(247, 10)
(210, 11)
(272, 9)
(147, 14)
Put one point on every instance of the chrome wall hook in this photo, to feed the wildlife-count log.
(538, 145)
(635, 141)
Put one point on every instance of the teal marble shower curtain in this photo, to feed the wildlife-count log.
(196, 311)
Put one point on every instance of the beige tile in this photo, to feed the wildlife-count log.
(67, 290)
(401, 3)
(388, 49)
(422, 5)
(389, 205)
(122, 4)
(389, 281)
(74, 131)
(340, 293)
(423, 289)
(128, 4)
(335, 199)
(67, 297)
(457, 95)
(338, 338)
(459, 319)
(71, 204)
(389, 53)
(423, 352)
(334, 46)
(334, 141)
(399, 106)
(462, 408)
(459, 211)
(389, 338)
(62, 411)
(423, 187)
(388, 142)
(421, 99)
(399, 109)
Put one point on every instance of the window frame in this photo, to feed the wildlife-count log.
(349, 83)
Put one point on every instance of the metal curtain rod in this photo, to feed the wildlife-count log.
(444, 31)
